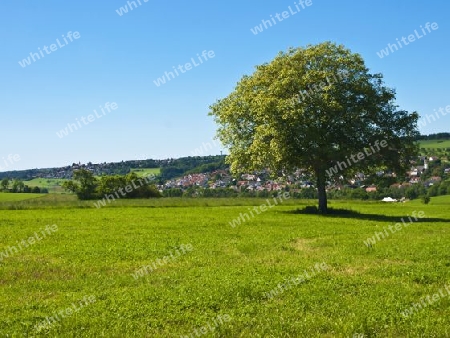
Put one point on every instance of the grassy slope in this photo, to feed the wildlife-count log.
(146, 171)
(95, 251)
(52, 184)
(10, 197)
(427, 144)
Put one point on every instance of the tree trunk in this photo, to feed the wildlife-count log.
(321, 184)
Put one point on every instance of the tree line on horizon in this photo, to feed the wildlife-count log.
(18, 186)
(436, 136)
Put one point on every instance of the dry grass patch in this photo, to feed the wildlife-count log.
(304, 244)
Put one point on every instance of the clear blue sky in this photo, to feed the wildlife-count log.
(118, 58)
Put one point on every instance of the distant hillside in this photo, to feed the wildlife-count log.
(438, 136)
(435, 145)
(169, 168)
(192, 165)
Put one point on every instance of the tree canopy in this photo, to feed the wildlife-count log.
(88, 187)
(314, 108)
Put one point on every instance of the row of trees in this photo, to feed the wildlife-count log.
(410, 192)
(414, 191)
(86, 186)
(438, 136)
(18, 186)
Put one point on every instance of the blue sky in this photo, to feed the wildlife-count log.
(117, 58)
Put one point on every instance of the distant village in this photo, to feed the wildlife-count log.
(300, 179)
(177, 177)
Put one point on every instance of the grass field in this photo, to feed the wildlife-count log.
(52, 184)
(435, 144)
(146, 171)
(10, 197)
(229, 272)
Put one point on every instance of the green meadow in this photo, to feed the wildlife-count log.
(146, 171)
(435, 144)
(235, 282)
(52, 184)
(9, 197)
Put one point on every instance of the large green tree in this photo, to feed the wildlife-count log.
(84, 184)
(4, 184)
(17, 185)
(314, 108)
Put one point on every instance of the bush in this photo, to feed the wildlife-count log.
(173, 192)
(426, 199)
(36, 190)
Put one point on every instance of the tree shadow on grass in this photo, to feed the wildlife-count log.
(348, 213)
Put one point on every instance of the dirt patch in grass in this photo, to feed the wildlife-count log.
(304, 244)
